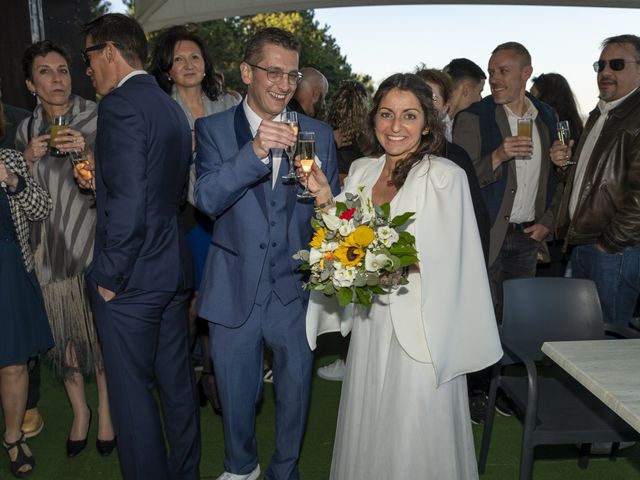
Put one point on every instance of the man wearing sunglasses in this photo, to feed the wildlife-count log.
(251, 290)
(140, 276)
(600, 210)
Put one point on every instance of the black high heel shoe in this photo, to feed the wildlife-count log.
(74, 447)
(22, 458)
(105, 447)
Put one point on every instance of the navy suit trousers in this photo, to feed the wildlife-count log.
(145, 342)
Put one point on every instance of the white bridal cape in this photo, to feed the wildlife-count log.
(404, 409)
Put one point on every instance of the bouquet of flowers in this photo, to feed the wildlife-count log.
(357, 251)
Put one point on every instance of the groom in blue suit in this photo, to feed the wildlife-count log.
(140, 276)
(251, 291)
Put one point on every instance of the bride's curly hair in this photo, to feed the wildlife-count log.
(431, 142)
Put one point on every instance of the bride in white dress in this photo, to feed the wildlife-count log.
(404, 411)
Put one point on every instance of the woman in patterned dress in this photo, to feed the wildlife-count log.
(25, 330)
(65, 240)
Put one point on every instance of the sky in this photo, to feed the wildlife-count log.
(380, 41)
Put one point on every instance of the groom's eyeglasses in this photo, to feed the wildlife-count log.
(275, 74)
(615, 64)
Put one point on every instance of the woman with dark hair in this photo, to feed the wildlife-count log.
(404, 410)
(184, 69)
(65, 239)
(553, 89)
(23, 319)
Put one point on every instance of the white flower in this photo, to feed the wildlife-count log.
(329, 246)
(374, 263)
(315, 256)
(368, 212)
(346, 227)
(387, 235)
(343, 276)
(331, 221)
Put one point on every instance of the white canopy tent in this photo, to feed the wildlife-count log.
(156, 14)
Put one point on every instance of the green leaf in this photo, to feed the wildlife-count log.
(385, 208)
(329, 289)
(340, 208)
(315, 224)
(304, 267)
(400, 249)
(406, 237)
(364, 295)
(345, 295)
(408, 260)
(325, 274)
(401, 219)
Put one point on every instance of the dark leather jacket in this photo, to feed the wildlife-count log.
(608, 209)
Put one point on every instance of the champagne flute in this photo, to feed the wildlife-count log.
(292, 119)
(79, 161)
(307, 154)
(564, 135)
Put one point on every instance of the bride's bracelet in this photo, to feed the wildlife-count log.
(328, 203)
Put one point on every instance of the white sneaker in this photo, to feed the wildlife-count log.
(334, 371)
(234, 476)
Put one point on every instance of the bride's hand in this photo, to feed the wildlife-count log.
(316, 178)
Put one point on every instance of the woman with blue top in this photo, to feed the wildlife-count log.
(184, 69)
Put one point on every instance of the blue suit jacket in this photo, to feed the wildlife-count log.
(229, 188)
(143, 147)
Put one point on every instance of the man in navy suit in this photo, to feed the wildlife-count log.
(251, 291)
(139, 277)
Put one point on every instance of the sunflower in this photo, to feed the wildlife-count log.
(360, 237)
(318, 237)
(349, 255)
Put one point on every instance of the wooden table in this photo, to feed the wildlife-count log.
(610, 369)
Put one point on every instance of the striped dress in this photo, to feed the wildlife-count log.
(64, 241)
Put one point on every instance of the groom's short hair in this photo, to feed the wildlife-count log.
(268, 36)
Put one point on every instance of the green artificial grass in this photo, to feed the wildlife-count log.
(552, 463)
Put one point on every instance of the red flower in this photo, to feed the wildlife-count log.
(347, 214)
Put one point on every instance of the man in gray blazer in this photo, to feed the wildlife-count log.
(516, 175)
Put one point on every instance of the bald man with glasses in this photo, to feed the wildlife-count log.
(600, 210)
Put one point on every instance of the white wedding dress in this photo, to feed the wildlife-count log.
(404, 410)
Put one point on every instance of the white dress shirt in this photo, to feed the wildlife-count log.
(276, 153)
(129, 75)
(527, 169)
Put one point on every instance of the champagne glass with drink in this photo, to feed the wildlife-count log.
(564, 135)
(80, 162)
(525, 129)
(292, 119)
(307, 154)
(57, 124)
